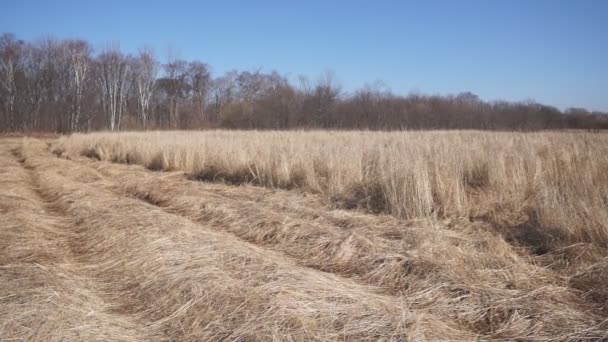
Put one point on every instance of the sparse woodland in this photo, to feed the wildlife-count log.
(64, 86)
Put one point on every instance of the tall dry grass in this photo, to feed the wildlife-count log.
(103, 251)
(456, 271)
(174, 279)
(541, 190)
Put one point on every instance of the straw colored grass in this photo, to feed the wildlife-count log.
(554, 182)
(304, 236)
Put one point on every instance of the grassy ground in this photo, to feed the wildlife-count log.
(305, 236)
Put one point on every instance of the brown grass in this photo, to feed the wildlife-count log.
(460, 236)
(554, 181)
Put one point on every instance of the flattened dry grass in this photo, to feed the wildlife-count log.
(182, 281)
(44, 295)
(165, 256)
(457, 271)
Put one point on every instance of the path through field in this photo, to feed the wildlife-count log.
(95, 251)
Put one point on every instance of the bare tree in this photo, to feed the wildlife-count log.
(175, 85)
(325, 95)
(145, 74)
(78, 54)
(10, 54)
(33, 68)
(250, 85)
(224, 89)
(200, 83)
(59, 85)
(112, 74)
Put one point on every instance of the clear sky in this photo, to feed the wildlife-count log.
(552, 51)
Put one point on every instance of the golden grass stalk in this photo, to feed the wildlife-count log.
(554, 183)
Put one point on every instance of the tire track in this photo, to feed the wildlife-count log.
(265, 268)
(115, 181)
(174, 273)
(381, 265)
(44, 293)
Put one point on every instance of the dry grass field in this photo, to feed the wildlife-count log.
(304, 236)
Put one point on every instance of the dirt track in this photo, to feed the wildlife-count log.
(98, 251)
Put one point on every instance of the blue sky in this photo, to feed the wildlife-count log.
(555, 52)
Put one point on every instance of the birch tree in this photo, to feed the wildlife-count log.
(112, 74)
(78, 55)
(145, 68)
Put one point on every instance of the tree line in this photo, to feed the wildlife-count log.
(63, 86)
